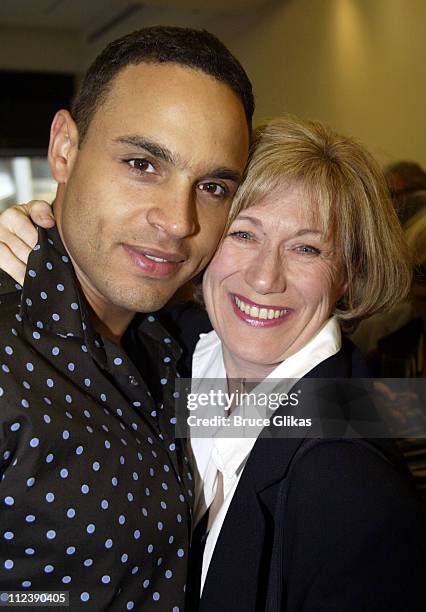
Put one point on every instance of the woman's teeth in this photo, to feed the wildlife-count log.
(260, 313)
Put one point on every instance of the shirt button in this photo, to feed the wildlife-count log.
(132, 381)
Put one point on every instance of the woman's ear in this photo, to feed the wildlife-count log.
(63, 146)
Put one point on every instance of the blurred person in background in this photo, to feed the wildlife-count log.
(407, 185)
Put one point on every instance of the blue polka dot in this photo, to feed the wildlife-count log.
(104, 504)
(107, 444)
(50, 497)
(8, 535)
(29, 551)
(50, 383)
(55, 316)
(64, 473)
(25, 404)
(34, 442)
(121, 519)
(85, 596)
(48, 568)
(66, 579)
(168, 573)
(8, 350)
(90, 528)
(108, 543)
(79, 450)
(118, 361)
(70, 513)
(156, 596)
(26, 584)
(51, 534)
(70, 550)
(49, 458)
(167, 360)
(150, 548)
(137, 534)
(74, 306)
(130, 605)
(43, 295)
(60, 287)
(96, 466)
(36, 335)
(135, 570)
(88, 562)
(176, 609)
(8, 564)
(106, 579)
(114, 481)
(160, 526)
(124, 558)
(46, 419)
(71, 366)
(180, 552)
(30, 482)
(65, 434)
(163, 381)
(146, 584)
(87, 382)
(30, 518)
(84, 489)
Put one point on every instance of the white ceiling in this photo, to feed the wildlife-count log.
(87, 15)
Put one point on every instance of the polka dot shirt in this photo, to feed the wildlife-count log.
(95, 492)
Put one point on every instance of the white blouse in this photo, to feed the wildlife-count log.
(229, 455)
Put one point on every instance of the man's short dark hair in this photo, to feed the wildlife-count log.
(196, 49)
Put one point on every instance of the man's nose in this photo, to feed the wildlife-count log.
(175, 215)
(266, 273)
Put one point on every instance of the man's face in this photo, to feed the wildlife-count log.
(149, 192)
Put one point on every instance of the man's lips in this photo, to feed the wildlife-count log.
(154, 262)
(259, 315)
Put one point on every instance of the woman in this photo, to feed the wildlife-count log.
(303, 524)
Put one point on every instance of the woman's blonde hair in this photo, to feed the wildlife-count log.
(349, 197)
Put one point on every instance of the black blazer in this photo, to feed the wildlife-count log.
(328, 525)
(314, 525)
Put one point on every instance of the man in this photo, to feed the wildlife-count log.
(96, 493)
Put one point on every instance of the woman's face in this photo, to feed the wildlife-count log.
(272, 284)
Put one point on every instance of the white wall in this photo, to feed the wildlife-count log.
(358, 65)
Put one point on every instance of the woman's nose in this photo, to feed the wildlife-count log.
(266, 273)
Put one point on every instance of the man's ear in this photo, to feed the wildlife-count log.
(63, 146)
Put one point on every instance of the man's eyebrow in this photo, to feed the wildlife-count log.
(163, 153)
(227, 174)
(156, 149)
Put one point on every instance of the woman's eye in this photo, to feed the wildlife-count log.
(309, 250)
(241, 235)
(141, 165)
(214, 189)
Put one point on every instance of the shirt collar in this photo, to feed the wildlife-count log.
(229, 453)
(51, 299)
